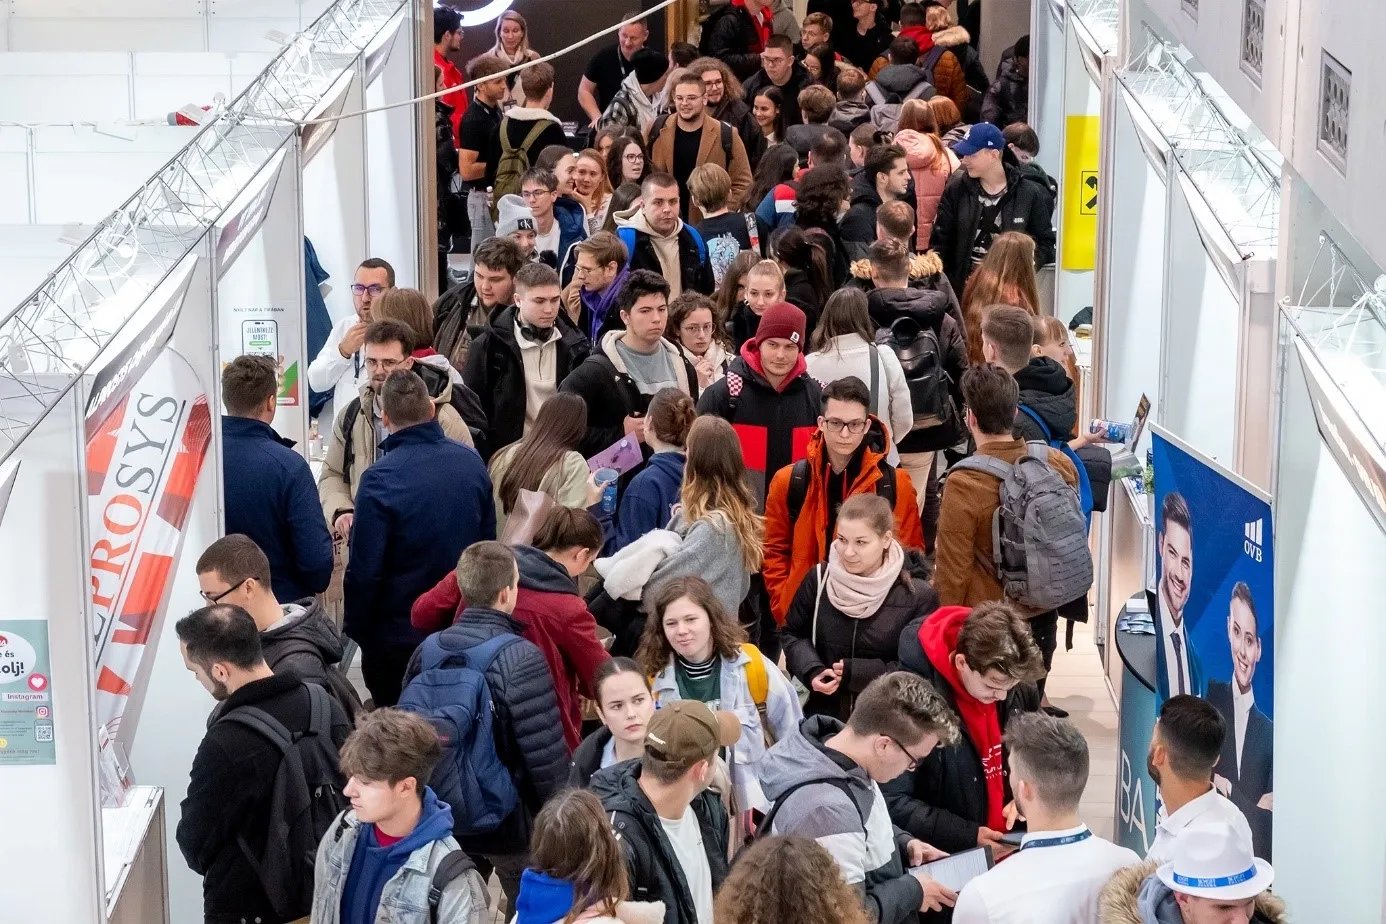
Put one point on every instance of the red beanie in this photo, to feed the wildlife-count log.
(783, 321)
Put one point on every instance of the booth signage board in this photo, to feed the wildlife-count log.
(1082, 151)
(1358, 454)
(1216, 571)
(26, 702)
(1136, 791)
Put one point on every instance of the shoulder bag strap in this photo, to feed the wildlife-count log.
(817, 600)
(875, 377)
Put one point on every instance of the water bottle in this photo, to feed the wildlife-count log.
(606, 477)
(1116, 432)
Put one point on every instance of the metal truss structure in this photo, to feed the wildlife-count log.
(54, 336)
(1101, 19)
(1232, 167)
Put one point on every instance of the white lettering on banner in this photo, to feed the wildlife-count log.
(1132, 802)
(143, 462)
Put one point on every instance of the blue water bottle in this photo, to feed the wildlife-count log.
(606, 478)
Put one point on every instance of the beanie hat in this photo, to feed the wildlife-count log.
(513, 215)
(783, 321)
(649, 65)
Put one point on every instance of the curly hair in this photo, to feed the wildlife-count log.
(822, 191)
(655, 652)
(770, 880)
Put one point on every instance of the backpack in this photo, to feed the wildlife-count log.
(764, 827)
(1084, 485)
(884, 112)
(799, 481)
(305, 800)
(452, 867)
(658, 126)
(338, 686)
(451, 692)
(513, 163)
(1038, 534)
(921, 357)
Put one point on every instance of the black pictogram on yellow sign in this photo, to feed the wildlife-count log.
(1089, 205)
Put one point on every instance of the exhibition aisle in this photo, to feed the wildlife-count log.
(1077, 684)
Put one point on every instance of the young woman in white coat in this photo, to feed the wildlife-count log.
(844, 344)
(695, 650)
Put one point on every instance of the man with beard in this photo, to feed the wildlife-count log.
(1243, 773)
(338, 368)
(223, 820)
(1179, 666)
(726, 101)
(1184, 748)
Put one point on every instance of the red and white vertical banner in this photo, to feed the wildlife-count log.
(145, 451)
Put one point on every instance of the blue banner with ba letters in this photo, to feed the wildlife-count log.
(1215, 615)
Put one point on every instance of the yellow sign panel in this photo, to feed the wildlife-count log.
(1078, 231)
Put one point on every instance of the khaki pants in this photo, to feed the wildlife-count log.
(918, 465)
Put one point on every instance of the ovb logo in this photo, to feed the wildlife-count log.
(1252, 542)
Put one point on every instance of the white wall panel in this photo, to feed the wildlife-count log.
(28, 255)
(14, 176)
(108, 169)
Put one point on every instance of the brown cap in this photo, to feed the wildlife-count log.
(685, 731)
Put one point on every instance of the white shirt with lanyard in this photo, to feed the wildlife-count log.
(1055, 878)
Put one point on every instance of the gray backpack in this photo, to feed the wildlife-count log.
(1038, 534)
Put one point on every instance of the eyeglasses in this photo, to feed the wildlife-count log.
(635, 158)
(385, 365)
(580, 270)
(535, 193)
(217, 598)
(373, 289)
(687, 99)
(697, 328)
(914, 761)
(854, 427)
(774, 59)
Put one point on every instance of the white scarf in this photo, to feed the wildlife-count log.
(858, 596)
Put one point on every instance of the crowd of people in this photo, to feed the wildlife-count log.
(704, 549)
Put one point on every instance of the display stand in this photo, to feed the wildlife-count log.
(1134, 815)
(1330, 503)
(136, 868)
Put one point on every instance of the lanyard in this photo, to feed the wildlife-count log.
(1057, 841)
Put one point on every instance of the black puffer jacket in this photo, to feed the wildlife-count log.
(798, 291)
(744, 323)
(495, 370)
(229, 791)
(1026, 205)
(730, 34)
(1046, 390)
(867, 647)
(926, 272)
(859, 224)
(529, 730)
(587, 759)
(944, 801)
(654, 870)
(694, 267)
(306, 644)
(928, 308)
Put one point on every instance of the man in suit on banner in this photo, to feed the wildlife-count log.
(1243, 773)
(1177, 662)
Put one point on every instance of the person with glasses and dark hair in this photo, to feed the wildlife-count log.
(338, 367)
(780, 69)
(823, 780)
(846, 456)
(224, 819)
(269, 489)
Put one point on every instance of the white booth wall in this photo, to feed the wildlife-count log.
(391, 169)
(151, 25)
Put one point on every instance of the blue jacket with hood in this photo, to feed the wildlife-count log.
(648, 503)
(572, 230)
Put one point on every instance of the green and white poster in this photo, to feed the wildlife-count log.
(26, 702)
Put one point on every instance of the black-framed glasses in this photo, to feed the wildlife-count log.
(854, 427)
(914, 761)
(217, 598)
(373, 289)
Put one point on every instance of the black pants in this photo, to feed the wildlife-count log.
(933, 501)
(382, 667)
(1044, 628)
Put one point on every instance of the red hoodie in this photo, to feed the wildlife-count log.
(939, 638)
(750, 351)
(922, 37)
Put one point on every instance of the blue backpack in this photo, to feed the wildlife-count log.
(1084, 486)
(627, 236)
(451, 692)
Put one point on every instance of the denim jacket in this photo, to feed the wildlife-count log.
(404, 899)
(782, 710)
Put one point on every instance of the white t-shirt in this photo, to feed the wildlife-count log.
(1057, 884)
(1208, 808)
(549, 242)
(686, 836)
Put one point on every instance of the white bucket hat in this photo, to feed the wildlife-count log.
(1212, 861)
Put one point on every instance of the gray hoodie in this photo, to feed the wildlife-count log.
(305, 641)
(710, 550)
(845, 813)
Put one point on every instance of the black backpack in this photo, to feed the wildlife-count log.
(306, 798)
(338, 686)
(921, 357)
(454, 866)
(799, 480)
(763, 826)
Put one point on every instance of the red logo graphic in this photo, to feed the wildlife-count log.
(4, 640)
(38, 683)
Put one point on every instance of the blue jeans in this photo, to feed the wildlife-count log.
(479, 214)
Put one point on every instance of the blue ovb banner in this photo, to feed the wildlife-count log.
(1215, 615)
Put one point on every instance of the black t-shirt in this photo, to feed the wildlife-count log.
(726, 236)
(478, 133)
(517, 130)
(686, 146)
(607, 68)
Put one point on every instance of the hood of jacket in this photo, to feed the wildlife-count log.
(865, 191)
(434, 824)
(667, 466)
(570, 215)
(938, 637)
(439, 385)
(541, 573)
(923, 38)
(900, 78)
(952, 37)
(625, 218)
(800, 755)
(608, 347)
(1135, 895)
(850, 110)
(646, 108)
(1045, 389)
(546, 900)
(754, 372)
(925, 306)
(922, 266)
(526, 114)
(307, 620)
(635, 218)
(919, 148)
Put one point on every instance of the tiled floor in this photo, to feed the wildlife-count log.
(1077, 684)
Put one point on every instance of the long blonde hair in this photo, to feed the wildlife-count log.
(714, 486)
(524, 52)
(1006, 276)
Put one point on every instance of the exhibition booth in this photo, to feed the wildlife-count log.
(108, 403)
